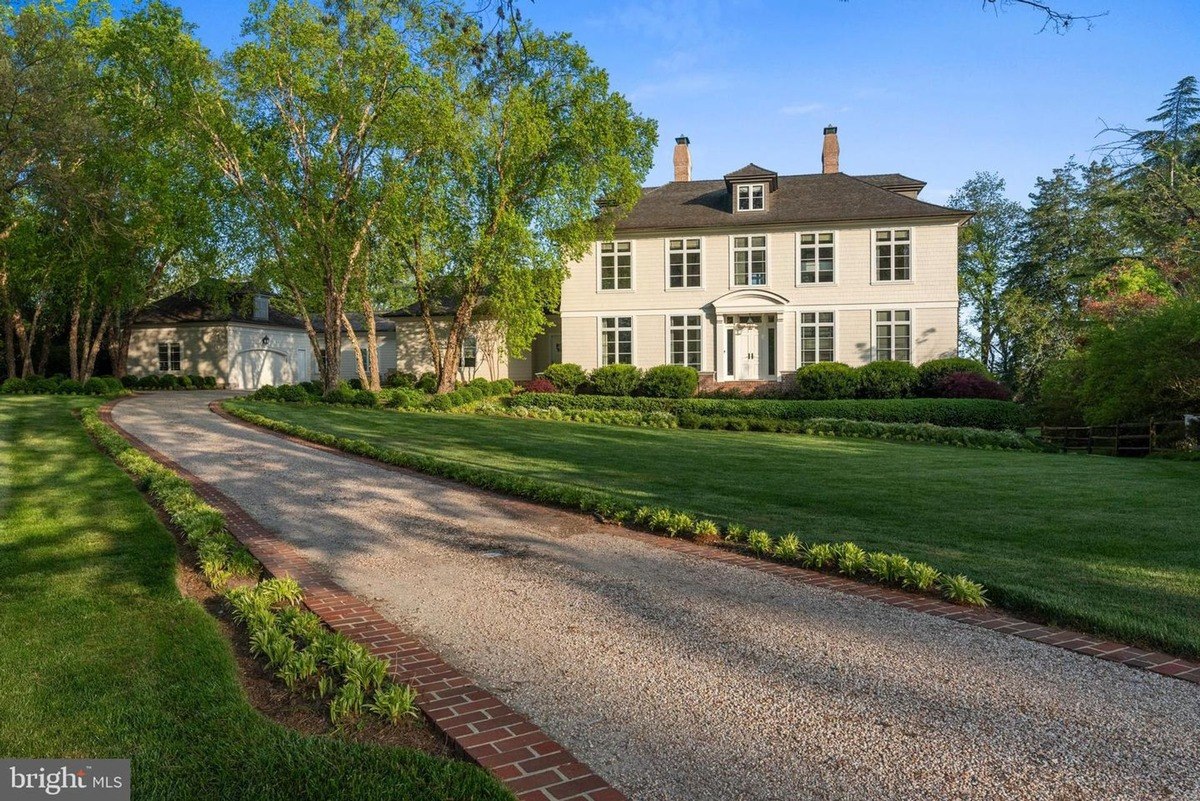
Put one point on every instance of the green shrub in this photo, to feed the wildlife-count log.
(961, 590)
(825, 381)
(427, 382)
(293, 393)
(168, 381)
(340, 394)
(787, 548)
(400, 398)
(266, 392)
(95, 386)
(931, 373)
(886, 379)
(565, 377)
(313, 388)
(759, 542)
(365, 397)
(129, 381)
(705, 531)
(185, 382)
(819, 556)
(69, 386)
(401, 380)
(851, 559)
(735, 532)
(669, 381)
(355, 384)
(114, 387)
(956, 412)
(209, 382)
(615, 379)
(150, 381)
(394, 703)
(978, 438)
(920, 577)
(14, 386)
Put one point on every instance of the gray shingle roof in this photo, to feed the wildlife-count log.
(209, 302)
(818, 197)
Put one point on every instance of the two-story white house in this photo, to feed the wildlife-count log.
(747, 278)
(754, 275)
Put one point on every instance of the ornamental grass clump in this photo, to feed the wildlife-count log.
(819, 556)
(735, 532)
(705, 531)
(920, 577)
(961, 590)
(787, 548)
(394, 703)
(759, 542)
(679, 523)
(851, 559)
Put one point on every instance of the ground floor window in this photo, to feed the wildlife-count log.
(616, 340)
(893, 336)
(816, 337)
(470, 352)
(685, 340)
(169, 356)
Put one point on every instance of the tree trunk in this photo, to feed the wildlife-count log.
(119, 334)
(372, 347)
(44, 359)
(361, 368)
(333, 337)
(10, 355)
(454, 340)
(73, 338)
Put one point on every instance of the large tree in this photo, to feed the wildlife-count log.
(987, 252)
(538, 156)
(319, 107)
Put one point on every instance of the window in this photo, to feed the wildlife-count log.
(893, 255)
(470, 353)
(616, 265)
(262, 307)
(816, 258)
(683, 263)
(685, 340)
(893, 336)
(749, 261)
(169, 354)
(616, 340)
(816, 337)
(750, 197)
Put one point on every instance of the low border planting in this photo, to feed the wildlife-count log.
(293, 643)
(950, 413)
(613, 417)
(106, 386)
(659, 520)
(168, 381)
(480, 389)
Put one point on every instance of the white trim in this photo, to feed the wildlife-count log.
(912, 255)
(632, 266)
(912, 331)
(721, 355)
(766, 261)
(837, 273)
(749, 186)
(668, 329)
(600, 337)
(791, 305)
(836, 331)
(667, 264)
(178, 343)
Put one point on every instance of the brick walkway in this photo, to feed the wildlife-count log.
(1068, 639)
(517, 752)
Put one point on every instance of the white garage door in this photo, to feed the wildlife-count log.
(252, 369)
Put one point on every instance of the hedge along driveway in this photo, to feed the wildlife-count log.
(1102, 544)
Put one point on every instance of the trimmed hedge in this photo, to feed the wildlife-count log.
(612, 417)
(565, 377)
(887, 380)
(615, 379)
(931, 373)
(669, 381)
(611, 508)
(392, 398)
(950, 413)
(824, 381)
(36, 385)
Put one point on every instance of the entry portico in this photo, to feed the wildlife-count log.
(749, 328)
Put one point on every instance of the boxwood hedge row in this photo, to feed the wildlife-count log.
(947, 412)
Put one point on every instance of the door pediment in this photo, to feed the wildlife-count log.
(751, 299)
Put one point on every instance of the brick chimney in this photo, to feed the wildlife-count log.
(829, 150)
(683, 159)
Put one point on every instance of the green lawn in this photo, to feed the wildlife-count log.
(1112, 545)
(102, 657)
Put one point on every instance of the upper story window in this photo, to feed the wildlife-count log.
(893, 336)
(683, 263)
(169, 357)
(893, 254)
(616, 265)
(616, 340)
(262, 307)
(816, 258)
(749, 261)
(470, 353)
(751, 197)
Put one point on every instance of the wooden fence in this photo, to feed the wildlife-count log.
(1123, 439)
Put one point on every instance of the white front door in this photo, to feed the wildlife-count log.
(747, 349)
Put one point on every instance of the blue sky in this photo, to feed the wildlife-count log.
(935, 89)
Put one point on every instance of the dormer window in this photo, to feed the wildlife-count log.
(750, 197)
(262, 307)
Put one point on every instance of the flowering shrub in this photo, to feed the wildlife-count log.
(971, 385)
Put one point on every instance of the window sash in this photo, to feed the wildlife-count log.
(169, 357)
(684, 264)
(685, 338)
(750, 261)
(751, 197)
(816, 258)
(616, 340)
(893, 255)
(816, 338)
(616, 265)
(893, 336)
(469, 358)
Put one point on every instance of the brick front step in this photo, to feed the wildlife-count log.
(510, 746)
(1085, 644)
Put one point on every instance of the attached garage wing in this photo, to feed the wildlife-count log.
(251, 369)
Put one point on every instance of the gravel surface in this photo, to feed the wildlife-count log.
(683, 678)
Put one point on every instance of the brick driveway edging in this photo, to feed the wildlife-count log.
(511, 747)
(1067, 639)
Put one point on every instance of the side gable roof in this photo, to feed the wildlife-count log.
(209, 303)
(801, 199)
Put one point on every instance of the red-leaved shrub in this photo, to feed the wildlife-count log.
(540, 385)
(971, 385)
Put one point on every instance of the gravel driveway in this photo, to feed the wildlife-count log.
(684, 678)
